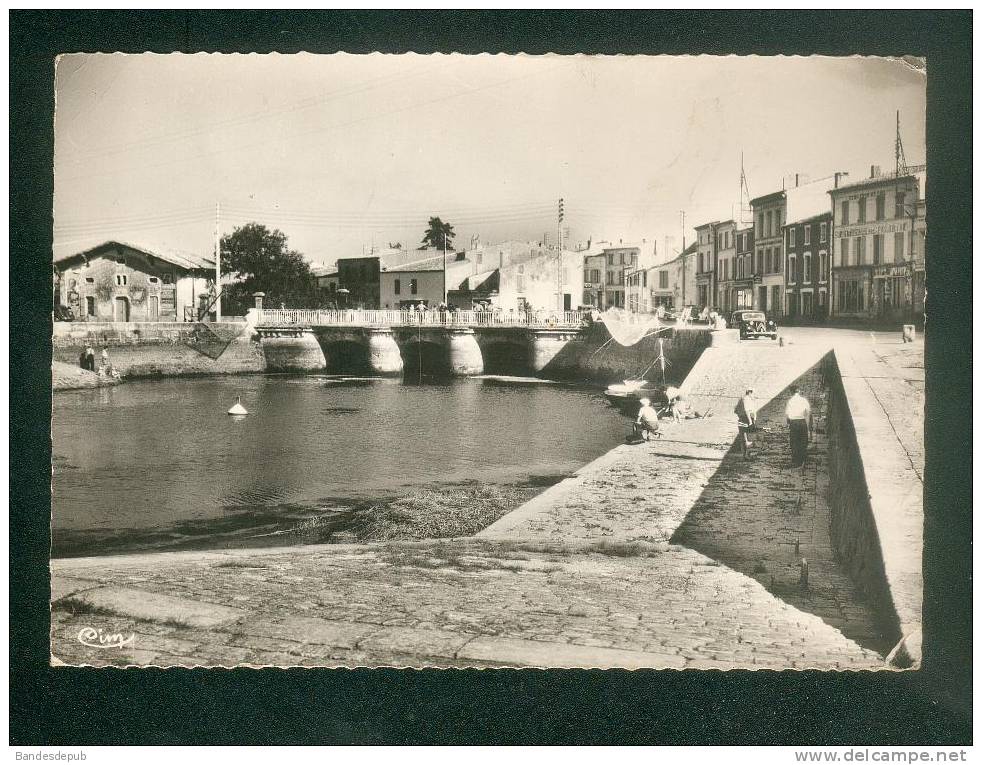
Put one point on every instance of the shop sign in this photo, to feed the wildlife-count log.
(885, 272)
(868, 229)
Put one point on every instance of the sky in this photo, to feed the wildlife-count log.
(344, 152)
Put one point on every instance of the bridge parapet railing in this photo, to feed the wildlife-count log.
(388, 318)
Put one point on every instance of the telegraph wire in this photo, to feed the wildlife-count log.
(235, 122)
(329, 128)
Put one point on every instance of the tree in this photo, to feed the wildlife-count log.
(438, 234)
(263, 262)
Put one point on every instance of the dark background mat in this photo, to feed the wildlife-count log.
(148, 706)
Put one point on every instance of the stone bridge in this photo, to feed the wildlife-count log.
(433, 348)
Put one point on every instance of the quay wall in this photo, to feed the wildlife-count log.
(876, 505)
(162, 349)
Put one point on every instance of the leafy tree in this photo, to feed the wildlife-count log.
(263, 262)
(438, 234)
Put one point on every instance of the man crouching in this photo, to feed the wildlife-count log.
(646, 425)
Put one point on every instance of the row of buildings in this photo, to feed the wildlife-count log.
(812, 253)
(850, 251)
(510, 276)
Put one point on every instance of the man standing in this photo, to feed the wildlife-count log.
(746, 412)
(798, 413)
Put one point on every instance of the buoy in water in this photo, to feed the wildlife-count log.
(237, 407)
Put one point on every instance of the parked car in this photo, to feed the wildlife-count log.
(753, 324)
(63, 313)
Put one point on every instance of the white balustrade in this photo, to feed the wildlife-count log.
(542, 319)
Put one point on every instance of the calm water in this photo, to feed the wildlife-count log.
(159, 464)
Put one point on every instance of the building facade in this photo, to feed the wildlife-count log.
(770, 212)
(878, 254)
(743, 277)
(117, 281)
(619, 260)
(705, 275)
(725, 267)
(594, 267)
(807, 246)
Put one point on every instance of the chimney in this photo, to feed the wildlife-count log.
(874, 171)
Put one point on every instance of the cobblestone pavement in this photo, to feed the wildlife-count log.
(770, 521)
(464, 602)
(598, 571)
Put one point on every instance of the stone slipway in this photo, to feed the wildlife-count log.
(644, 491)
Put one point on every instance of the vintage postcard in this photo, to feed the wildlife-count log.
(488, 361)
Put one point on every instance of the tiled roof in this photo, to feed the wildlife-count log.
(182, 259)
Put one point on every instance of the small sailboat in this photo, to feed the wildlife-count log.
(237, 408)
(631, 390)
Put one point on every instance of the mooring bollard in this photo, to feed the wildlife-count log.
(909, 333)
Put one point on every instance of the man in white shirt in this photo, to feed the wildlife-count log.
(798, 413)
(647, 423)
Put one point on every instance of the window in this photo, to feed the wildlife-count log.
(881, 204)
(791, 269)
(89, 280)
(808, 234)
(806, 268)
(480, 257)
(760, 225)
(859, 250)
(610, 260)
(700, 263)
(790, 237)
(770, 223)
(861, 218)
(153, 280)
(899, 242)
(90, 306)
(823, 232)
(843, 252)
(844, 212)
(397, 287)
(413, 286)
(663, 280)
(898, 206)
(644, 278)
(760, 261)
(877, 249)
(121, 280)
(823, 266)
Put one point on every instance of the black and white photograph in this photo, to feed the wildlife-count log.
(558, 361)
(484, 361)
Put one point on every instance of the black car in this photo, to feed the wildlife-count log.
(753, 324)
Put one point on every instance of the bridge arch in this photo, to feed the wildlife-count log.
(505, 353)
(346, 356)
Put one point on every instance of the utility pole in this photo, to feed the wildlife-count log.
(218, 262)
(559, 261)
(444, 267)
